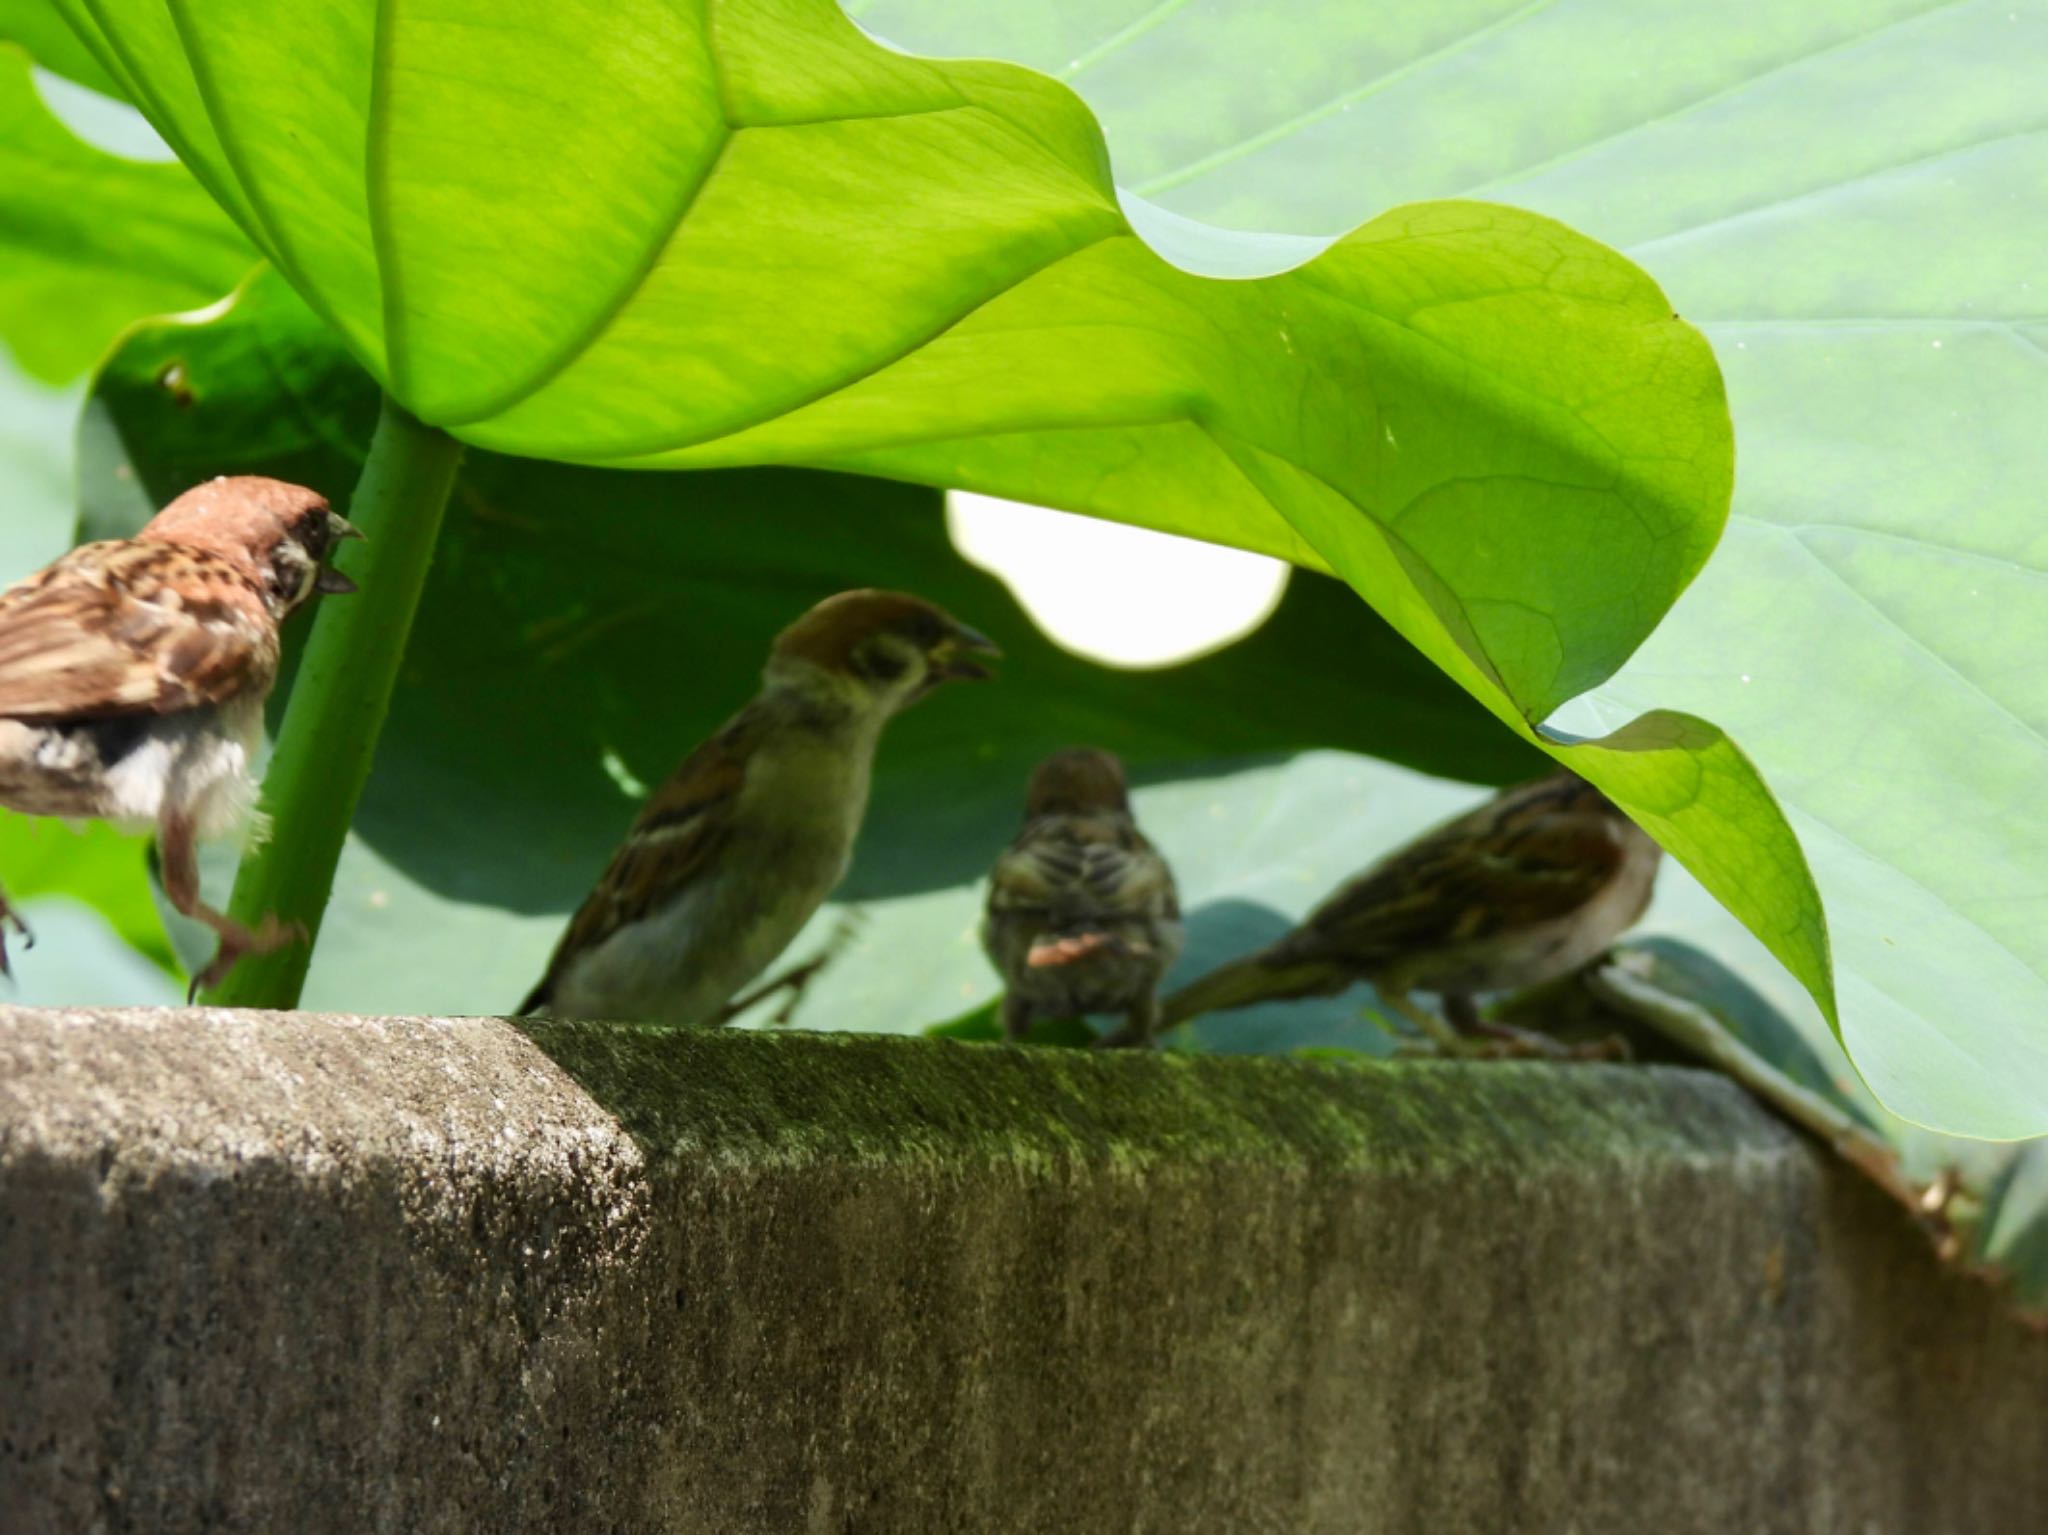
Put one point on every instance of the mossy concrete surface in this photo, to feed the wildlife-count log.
(299, 1273)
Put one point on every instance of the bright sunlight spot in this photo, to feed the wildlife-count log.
(1126, 596)
(111, 125)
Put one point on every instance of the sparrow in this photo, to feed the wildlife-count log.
(1534, 884)
(1082, 913)
(133, 675)
(731, 856)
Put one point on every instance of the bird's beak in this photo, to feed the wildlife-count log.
(952, 660)
(331, 581)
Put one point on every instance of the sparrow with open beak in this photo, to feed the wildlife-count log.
(731, 856)
(133, 675)
(1082, 912)
(1534, 884)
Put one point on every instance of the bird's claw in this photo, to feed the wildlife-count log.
(793, 983)
(1612, 1048)
(9, 917)
(1468, 1050)
(1125, 1038)
(267, 937)
(1502, 1043)
(799, 982)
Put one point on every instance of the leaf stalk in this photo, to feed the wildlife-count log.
(339, 700)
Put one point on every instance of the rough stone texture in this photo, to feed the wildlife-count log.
(298, 1273)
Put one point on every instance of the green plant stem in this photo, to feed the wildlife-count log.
(338, 702)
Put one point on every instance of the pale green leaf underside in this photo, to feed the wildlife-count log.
(778, 242)
(88, 242)
(648, 234)
(1846, 195)
(37, 28)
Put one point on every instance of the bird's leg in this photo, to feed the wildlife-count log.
(1462, 1014)
(794, 980)
(1016, 1014)
(1465, 1018)
(1140, 1023)
(1438, 1036)
(9, 917)
(177, 846)
(1447, 1036)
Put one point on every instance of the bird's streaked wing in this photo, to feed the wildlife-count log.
(102, 632)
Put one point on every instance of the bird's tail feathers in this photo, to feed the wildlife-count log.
(1242, 982)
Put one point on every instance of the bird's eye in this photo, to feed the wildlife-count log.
(879, 663)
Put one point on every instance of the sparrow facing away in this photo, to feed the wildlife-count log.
(1534, 884)
(730, 857)
(1082, 912)
(133, 675)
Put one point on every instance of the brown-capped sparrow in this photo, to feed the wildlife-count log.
(133, 675)
(1082, 913)
(731, 856)
(1534, 884)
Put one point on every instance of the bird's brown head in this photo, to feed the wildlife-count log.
(279, 535)
(891, 647)
(1078, 781)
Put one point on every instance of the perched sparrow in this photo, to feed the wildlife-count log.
(1082, 914)
(733, 854)
(133, 675)
(1534, 884)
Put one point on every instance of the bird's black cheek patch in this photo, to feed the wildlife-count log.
(879, 665)
(114, 739)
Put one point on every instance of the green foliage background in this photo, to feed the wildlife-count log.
(1867, 276)
(1845, 196)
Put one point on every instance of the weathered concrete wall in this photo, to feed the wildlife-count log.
(311, 1274)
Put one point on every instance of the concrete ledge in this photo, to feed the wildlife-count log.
(303, 1273)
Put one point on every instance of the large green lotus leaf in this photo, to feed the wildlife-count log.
(41, 31)
(584, 627)
(781, 243)
(88, 241)
(35, 459)
(94, 867)
(1255, 845)
(1846, 196)
(533, 616)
